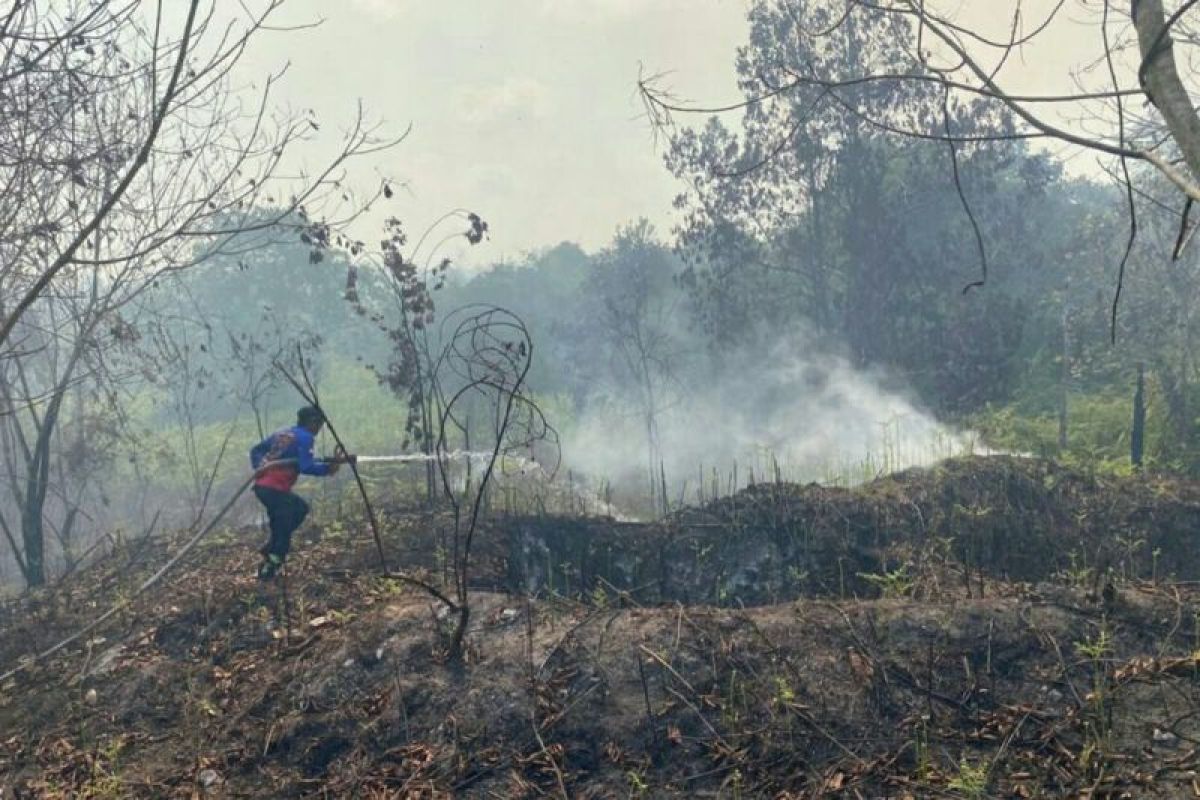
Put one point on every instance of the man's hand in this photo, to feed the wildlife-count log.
(340, 456)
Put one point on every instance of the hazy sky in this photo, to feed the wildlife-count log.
(527, 110)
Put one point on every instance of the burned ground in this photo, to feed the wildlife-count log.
(999, 518)
(1014, 674)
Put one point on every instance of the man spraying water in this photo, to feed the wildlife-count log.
(282, 457)
(278, 461)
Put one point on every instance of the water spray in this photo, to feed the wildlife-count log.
(455, 455)
(416, 458)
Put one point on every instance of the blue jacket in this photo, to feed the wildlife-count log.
(294, 444)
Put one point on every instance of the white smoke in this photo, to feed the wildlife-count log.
(788, 407)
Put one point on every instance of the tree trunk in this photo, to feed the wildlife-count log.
(1064, 379)
(1161, 81)
(653, 454)
(37, 471)
(33, 543)
(1137, 440)
(33, 533)
(1175, 393)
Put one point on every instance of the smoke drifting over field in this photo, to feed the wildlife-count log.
(811, 413)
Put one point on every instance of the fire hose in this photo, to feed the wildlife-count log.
(191, 543)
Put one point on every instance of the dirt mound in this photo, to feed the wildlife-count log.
(1043, 689)
(968, 521)
(1031, 695)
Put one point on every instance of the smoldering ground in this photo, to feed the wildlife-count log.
(791, 409)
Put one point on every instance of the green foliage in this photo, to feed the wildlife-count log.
(921, 751)
(1097, 647)
(1097, 436)
(637, 784)
(1078, 573)
(105, 781)
(892, 585)
(1097, 650)
(971, 780)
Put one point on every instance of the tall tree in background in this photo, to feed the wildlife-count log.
(1157, 329)
(631, 310)
(854, 58)
(824, 218)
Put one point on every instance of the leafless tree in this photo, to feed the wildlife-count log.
(256, 356)
(125, 139)
(70, 337)
(413, 275)
(635, 319)
(128, 153)
(486, 358)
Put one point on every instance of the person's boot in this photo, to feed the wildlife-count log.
(269, 567)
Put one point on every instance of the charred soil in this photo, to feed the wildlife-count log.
(994, 664)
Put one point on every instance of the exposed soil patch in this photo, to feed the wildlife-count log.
(1032, 688)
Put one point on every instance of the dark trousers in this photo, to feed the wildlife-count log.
(285, 512)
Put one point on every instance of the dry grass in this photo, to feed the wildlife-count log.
(1032, 690)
